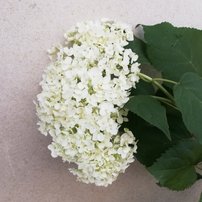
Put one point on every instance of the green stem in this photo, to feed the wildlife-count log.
(156, 83)
(166, 101)
(145, 77)
(162, 99)
(163, 90)
(165, 80)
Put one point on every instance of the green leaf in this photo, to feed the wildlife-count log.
(176, 125)
(150, 110)
(175, 168)
(172, 50)
(143, 88)
(138, 47)
(151, 144)
(151, 141)
(188, 98)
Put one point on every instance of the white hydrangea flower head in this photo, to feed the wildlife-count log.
(83, 92)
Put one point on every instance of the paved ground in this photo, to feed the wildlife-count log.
(27, 29)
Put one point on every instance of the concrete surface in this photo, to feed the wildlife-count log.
(27, 29)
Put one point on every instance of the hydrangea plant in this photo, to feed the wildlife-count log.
(103, 112)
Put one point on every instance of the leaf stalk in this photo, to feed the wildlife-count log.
(157, 84)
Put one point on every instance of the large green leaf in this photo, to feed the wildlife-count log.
(175, 169)
(188, 98)
(151, 144)
(143, 88)
(151, 141)
(172, 50)
(176, 125)
(138, 47)
(150, 110)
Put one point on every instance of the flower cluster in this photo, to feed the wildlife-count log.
(83, 92)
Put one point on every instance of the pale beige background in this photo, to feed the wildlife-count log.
(27, 29)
